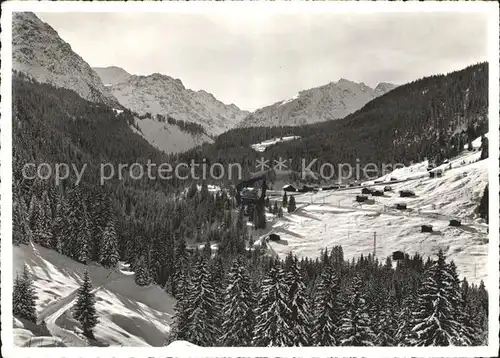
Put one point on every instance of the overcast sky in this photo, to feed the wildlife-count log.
(256, 60)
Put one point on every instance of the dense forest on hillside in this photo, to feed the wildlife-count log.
(431, 118)
(141, 219)
(254, 301)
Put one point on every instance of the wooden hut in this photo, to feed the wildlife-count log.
(406, 193)
(455, 222)
(361, 198)
(401, 206)
(274, 237)
(426, 228)
(366, 191)
(398, 255)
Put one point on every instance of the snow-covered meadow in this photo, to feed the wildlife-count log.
(329, 218)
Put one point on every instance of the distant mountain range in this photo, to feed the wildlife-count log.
(41, 54)
(332, 101)
(162, 94)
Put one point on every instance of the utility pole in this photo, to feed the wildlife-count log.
(374, 244)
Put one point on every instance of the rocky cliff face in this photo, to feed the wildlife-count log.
(40, 53)
(161, 94)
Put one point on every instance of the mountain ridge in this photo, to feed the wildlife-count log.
(333, 100)
(165, 95)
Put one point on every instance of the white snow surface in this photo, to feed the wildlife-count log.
(476, 143)
(129, 315)
(162, 94)
(181, 344)
(330, 218)
(262, 146)
(168, 137)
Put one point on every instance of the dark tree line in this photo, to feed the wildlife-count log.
(257, 301)
(137, 221)
(186, 126)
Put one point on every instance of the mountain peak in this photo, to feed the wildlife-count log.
(384, 87)
(332, 101)
(112, 75)
(161, 94)
(39, 52)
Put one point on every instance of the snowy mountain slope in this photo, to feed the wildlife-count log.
(39, 52)
(112, 75)
(129, 315)
(168, 137)
(161, 94)
(334, 218)
(332, 101)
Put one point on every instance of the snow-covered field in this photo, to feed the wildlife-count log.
(129, 315)
(262, 146)
(330, 218)
(167, 137)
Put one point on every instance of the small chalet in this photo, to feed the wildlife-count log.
(426, 228)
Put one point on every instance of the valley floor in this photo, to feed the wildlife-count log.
(329, 218)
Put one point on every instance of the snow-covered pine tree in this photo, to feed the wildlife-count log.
(405, 322)
(280, 212)
(180, 321)
(272, 328)
(435, 320)
(466, 324)
(469, 319)
(75, 239)
(292, 206)
(238, 307)
(142, 276)
(204, 309)
(207, 249)
(387, 324)
(109, 256)
(328, 309)
(42, 221)
(483, 204)
(484, 147)
(299, 319)
(285, 200)
(356, 326)
(60, 222)
(21, 232)
(32, 209)
(84, 309)
(180, 276)
(83, 238)
(275, 208)
(24, 297)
